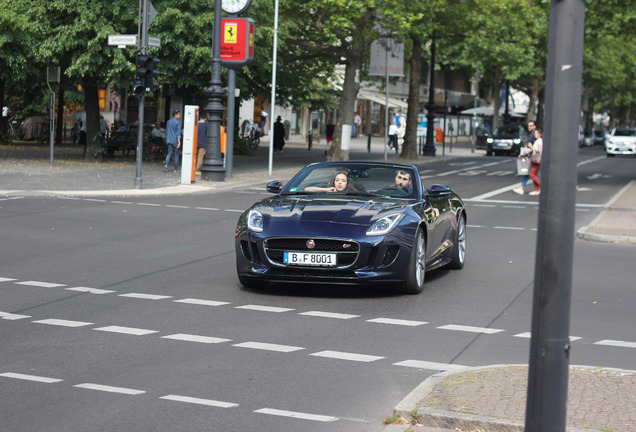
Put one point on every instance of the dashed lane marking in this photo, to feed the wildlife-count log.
(90, 290)
(6, 279)
(616, 343)
(269, 347)
(201, 302)
(329, 315)
(419, 364)
(199, 401)
(63, 323)
(11, 317)
(126, 330)
(145, 296)
(196, 338)
(35, 378)
(401, 322)
(264, 308)
(296, 415)
(347, 356)
(40, 284)
(470, 329)
(110, 389)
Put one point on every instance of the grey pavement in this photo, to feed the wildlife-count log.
(473, 399)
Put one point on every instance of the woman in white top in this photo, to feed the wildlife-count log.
(536, 148)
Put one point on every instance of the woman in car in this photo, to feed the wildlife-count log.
(340, 181)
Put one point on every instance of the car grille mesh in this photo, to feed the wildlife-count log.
(346, 251)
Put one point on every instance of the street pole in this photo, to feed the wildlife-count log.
(212, 168)
(231, 102)
(474, 119)
(143, 26)
(429, 147)
(549, 344)
(273, 107)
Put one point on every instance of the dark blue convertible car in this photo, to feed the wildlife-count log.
(351, 223)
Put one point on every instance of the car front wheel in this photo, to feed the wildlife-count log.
(459, 250)
(417, 266)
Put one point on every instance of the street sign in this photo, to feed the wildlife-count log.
(122, 40)
(154, 41)
(237, 42)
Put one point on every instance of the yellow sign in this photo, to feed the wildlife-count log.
(231, 33)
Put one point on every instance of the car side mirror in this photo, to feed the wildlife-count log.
(438, 190)
(274, 187)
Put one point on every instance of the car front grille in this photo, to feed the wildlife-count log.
(346, 251)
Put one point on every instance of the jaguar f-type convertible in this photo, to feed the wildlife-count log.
(351, 223)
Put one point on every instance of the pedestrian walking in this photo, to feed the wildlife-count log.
(393, 136)
(202, 140)
(356, 125)
(525, 152)
(173, 139)
(535, 159)
(279, 135)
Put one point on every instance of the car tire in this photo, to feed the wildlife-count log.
(610, 155)
(489, 152)
(417, 266)
(459, 248)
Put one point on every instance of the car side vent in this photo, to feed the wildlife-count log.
(389, 256)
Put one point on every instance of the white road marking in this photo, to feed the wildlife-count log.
(205, 208)
(527, 335)
(40, 284)
(268, 347)
(484, 205)
(401, 322)
(145, 296)
(510, 228)
(201, 302)
(110, 389)
(328, 315)
(94, 200)
(149, 204)
(126, 330)
(420, 364)
(35, 378)
(199, 401)
(6, 279)
(10, 317)
(264, 308)
(63, 323)
(233, 210)
(297, 415)
(347, 356)
(616, 343)
(470, 329)
(177, 206)
(195, 338)
(121, 202)
(476, 226)
(90, 290)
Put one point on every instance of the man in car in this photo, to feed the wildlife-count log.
(403, 181)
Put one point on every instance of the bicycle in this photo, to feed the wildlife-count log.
(254, 137)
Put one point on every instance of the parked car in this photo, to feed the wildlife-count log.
(387, 228)
(482, 135)
(620, 142)
(599, 136)
(506, 139)
(588, 138)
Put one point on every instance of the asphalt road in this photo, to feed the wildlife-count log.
(126, 314)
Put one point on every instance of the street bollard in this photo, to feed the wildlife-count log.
(309, 140)
(369, 143)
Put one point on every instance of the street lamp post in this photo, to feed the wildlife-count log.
(212, 168)
(429, 148)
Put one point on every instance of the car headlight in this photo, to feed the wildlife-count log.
(517, 141)
(255, 221)
(489, 140)
(384, 225)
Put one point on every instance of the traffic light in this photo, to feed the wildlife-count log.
(145, 74)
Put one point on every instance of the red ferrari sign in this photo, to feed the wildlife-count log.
(237, 41)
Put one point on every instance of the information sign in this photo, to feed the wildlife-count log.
(237, 42)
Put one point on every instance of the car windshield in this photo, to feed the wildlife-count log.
(507, 131)
(350, 179)
(625, 132)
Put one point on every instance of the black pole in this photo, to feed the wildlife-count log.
(429, 148)
(212, 168)
(549, 344)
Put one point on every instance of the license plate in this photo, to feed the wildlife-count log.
(310, 259)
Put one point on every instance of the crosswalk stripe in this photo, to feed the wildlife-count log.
(297, 415)
(90, 290)
(110, 389)
(126, 330)
(195, 338)
(420, 364)
(35, 378)
(268, 347)
(347, 356)
(470, 329)
(401, 322)
(40, 284)
(63, 323)
(264, 308)
(328, 315)
(145, 296)
(201, 302)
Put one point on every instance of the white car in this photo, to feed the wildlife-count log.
(620, 142)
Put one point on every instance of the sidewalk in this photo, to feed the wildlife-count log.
(489, 399)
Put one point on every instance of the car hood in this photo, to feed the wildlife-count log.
(325, 209)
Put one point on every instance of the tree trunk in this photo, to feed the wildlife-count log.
(496, 84)
(409, 149)
(347, 102)
(91, 105)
